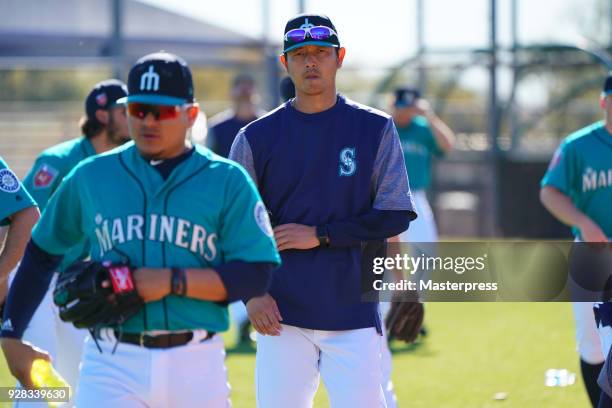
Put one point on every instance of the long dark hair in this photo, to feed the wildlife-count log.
(90, 127)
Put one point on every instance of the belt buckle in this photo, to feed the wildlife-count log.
(141, 339)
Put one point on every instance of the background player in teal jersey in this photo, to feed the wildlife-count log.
(18, 214)
(103, 127)
(423, 135)
(577, 189)
(175, 213)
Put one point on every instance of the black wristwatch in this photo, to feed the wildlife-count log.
(178, 281)
(323, 236)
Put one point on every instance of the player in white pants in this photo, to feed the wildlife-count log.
(588, 343)
(576, 190)
(168, 353)
(331, 173)
(423, 135)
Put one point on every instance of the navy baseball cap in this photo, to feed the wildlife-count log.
(607, 89)
(160, 78)
(406, 96)
(104, 95)
(305, 22)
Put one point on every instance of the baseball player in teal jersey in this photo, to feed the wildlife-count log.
(423, 135)
(104, 127)
(577, 189)
(18, 214)
(175, 213)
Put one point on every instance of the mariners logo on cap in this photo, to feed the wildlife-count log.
(9, 183)
(149, 81)
(160, 78)
(306, 24)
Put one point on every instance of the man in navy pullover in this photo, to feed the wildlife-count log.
(331, 173)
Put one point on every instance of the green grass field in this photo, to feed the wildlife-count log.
(473, 351)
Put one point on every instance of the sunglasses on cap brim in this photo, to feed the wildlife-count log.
(316, 33)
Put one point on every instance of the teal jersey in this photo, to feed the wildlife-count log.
(13, 197)
(419, 145)
(582, 169)
(49, 169)
(206, 213)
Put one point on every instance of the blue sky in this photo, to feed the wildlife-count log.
(381, 33)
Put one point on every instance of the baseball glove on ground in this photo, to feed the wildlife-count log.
(84, 302)
(405, 319)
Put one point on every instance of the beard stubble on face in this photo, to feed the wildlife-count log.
(113, 132)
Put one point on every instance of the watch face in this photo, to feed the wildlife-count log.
(322, 236)
(179, 281)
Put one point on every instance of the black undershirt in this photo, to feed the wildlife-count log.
(165, 167)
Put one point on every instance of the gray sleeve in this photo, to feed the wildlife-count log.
(390, 187)
(242, 154)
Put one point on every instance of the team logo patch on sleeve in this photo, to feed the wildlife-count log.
(262, 219)
(44, 176)
(9, 182)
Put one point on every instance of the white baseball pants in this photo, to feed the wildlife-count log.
(588, 340)
(192, 375)
(288, 368)
(423, 229)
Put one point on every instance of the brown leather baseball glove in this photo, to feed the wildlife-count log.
(405, 318)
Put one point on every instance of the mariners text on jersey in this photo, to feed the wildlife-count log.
(161, 228)
(593, 179)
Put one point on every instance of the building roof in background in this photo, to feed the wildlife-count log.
(83, 28)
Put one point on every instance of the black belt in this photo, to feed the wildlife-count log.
(160, 340)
